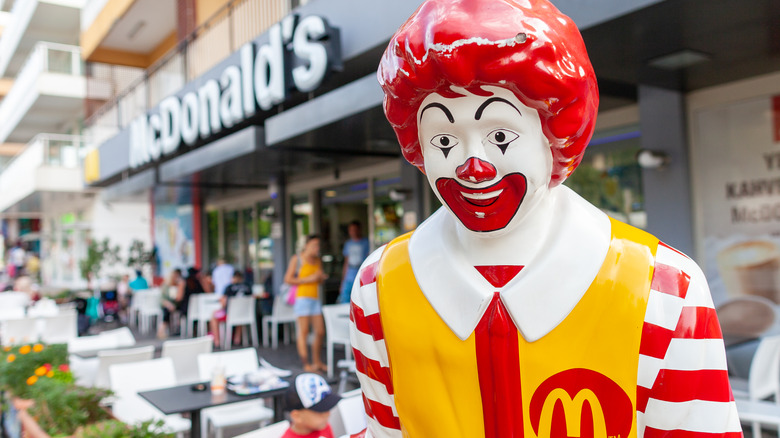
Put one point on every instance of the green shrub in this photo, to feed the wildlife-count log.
(117, 429)
(22, 366)
(61, 407)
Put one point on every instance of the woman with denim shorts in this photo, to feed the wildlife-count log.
(307, 307)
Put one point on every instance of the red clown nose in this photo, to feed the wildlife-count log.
(476, 171)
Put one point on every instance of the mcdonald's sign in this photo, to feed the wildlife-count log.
(581, 403)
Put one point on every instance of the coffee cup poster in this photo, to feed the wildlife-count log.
(736, 171)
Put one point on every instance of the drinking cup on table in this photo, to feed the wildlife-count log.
(218, 381)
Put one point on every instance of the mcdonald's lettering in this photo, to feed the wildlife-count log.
(581, 403)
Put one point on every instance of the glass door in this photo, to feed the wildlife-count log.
(232, 238)
(301, 220)
(342, 206)
(388, 210)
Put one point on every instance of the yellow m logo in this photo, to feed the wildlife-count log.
(572, 410)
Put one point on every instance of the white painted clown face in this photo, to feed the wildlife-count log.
(486, 157)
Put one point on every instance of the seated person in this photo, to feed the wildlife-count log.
(308, 402)
(139, 282)
(237, 287)
(173, 295)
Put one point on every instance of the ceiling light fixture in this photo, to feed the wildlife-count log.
(679, 60)
(650, 159)
(137, 28)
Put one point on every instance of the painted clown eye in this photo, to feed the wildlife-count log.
(502, 138)
(445, 142)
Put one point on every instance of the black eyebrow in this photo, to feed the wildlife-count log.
(441, 107)
(478, 114)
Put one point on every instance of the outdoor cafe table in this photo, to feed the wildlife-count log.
(180, 399)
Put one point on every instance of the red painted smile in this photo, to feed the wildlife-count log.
(486, 209)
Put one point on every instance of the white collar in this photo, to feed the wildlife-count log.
(540, 297)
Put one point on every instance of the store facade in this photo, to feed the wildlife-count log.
(278, 141)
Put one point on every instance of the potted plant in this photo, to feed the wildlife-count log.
(48, 403)
(138, 256)
(99, 254)
(42, 391)
(21, 366)
(117, 429)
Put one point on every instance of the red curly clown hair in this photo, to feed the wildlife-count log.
(526, 46)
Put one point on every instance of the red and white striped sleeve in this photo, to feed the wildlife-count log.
(368, 344)
(682, 386)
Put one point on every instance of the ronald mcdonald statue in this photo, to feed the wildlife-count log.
(519, 309)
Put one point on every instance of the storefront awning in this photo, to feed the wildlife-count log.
(353, 98)
(233, 146)
(129, 187)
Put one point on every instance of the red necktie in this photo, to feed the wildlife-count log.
(498, 362)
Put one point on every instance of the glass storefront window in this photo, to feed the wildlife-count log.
(610, 178)
(232, 244)
(212, 233)
(341, 205)
(388, 212)
(264, 250)
(301, 220)
(247, 244)
(263, 260)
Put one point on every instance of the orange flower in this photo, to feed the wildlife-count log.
(37, 348)
(31, 380)
(40, 371)
(10, 358)
(25, 349)
(50, 374)
(6, 349)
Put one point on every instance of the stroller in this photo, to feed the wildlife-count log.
(109, 304)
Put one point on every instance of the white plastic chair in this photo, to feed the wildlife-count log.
(128, 379)
(337, 330)
(271, 431)
(184, 354)
(258, 290)
(84, 370)
(43, 307)
(185, 321)
(282, 314)
(18, 331)
(763, 379)
(124, 336)
(66, 307)
(240, 312)
(236, 363)
(207, 305)
(111, 357)
(12, 312)
(148, 307)
(758, 413)
(61, 328)
(196, 313)
(92, 343)
(14, 299)
(349, 415)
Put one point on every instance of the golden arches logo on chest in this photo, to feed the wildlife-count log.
(581, 403)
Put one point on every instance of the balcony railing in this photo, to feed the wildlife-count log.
(21, 13)
(225, 32)
(44, 58)
(56, 150)
(48, 162)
